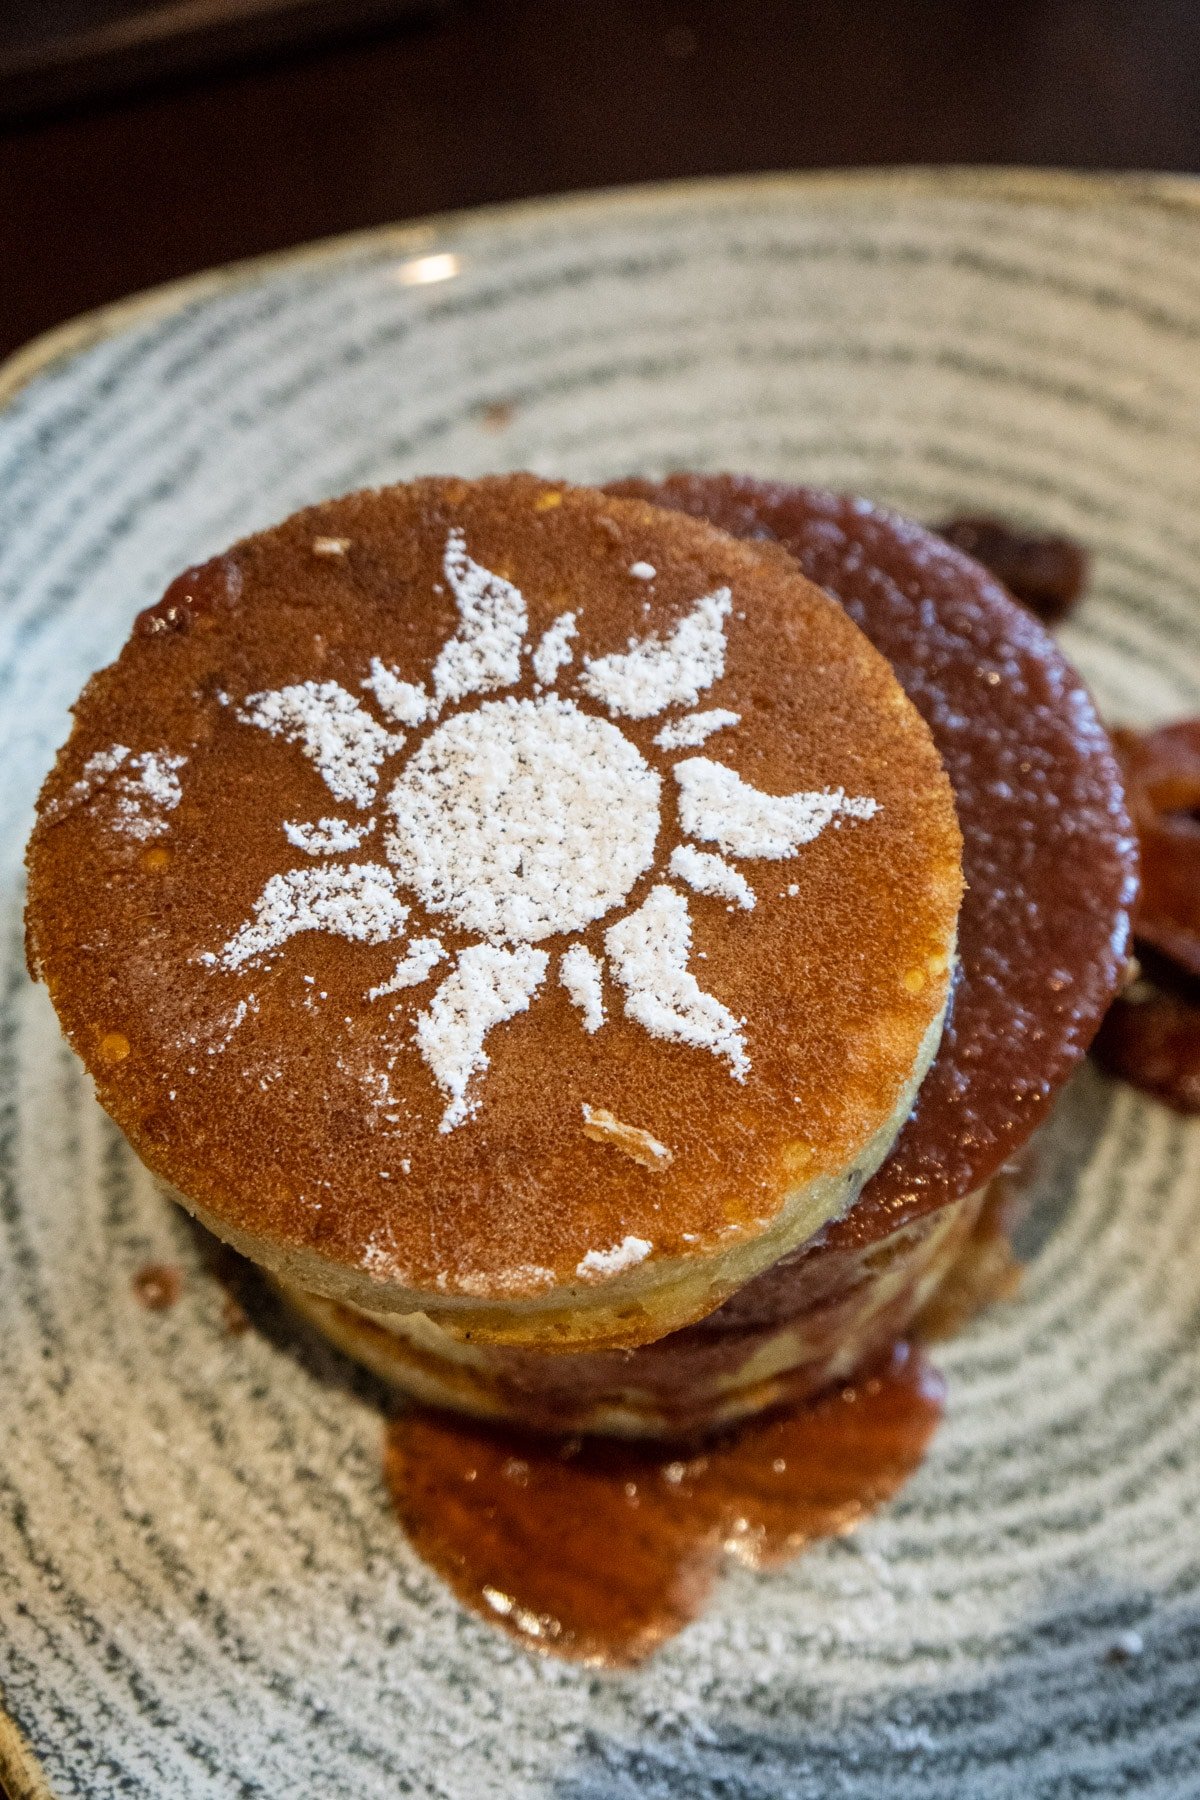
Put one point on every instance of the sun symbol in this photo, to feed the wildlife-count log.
(515, 820)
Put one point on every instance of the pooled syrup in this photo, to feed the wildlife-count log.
(599, 1550)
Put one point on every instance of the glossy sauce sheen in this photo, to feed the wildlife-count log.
(600, 1550)
(1049, 853)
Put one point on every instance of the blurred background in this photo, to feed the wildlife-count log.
(144, 139)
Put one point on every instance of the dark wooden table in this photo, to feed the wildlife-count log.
(494, 99)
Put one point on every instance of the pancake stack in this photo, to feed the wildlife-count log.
(529, 922)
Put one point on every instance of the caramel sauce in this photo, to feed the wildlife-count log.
(1162, 775)
(192, 599)
(157, 1286)
(599, 1550)
(1151, 1034)
(987, 1269)
(1044, 572)
(1151, 1037)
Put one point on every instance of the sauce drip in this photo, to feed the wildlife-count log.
(192, 599)
(599, 1550)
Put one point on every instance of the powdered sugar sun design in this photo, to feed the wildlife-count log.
(516, 820)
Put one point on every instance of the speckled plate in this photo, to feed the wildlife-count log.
(202, 1591)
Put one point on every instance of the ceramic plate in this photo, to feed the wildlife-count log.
(202, 1590)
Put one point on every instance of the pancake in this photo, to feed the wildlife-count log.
(1049, 853)
(1043, 932)
(501, 901)
(850, 1306)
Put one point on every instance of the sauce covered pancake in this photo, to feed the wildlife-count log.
(843, 1296)
(1049, 853)
(504, 901)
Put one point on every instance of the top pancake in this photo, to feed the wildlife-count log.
(355, 1140)
(1049, 853)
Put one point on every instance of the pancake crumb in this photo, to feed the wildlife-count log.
(234, 1317)
(1126, 1647)
(603, 1128)
(330, 546)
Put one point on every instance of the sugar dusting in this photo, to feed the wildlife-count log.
(146, 787)
(718, 807)
(98, 765)
(523, 818)
(526, 818)
(660, 672)
(625, 1255)
(686, 734)
(327, 837)
(708, 874)
(554, 652)
(404, 701)
(422, 957)
(649, 952)
(486, 653)
(581, 974)
(344, 743)
(149, 780)
(356, 900)
(487, 986)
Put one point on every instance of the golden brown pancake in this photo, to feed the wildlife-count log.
(503, 901)
(850, 1306)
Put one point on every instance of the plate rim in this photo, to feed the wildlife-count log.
(21, 1774)
(1017, 184)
